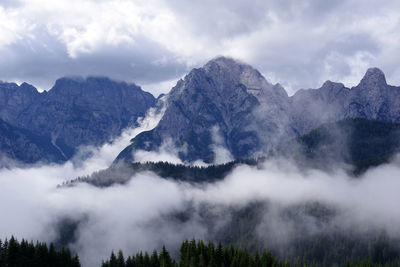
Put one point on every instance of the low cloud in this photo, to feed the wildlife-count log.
(166, 152)
(221, 153)
(149, 211)
(142, 214)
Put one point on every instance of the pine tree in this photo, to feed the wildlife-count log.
(184, 254)
(154, 261)
(146, 259)
(120, 259)
(75, 262)
(219, 255)
(165, 258)
(130, 262)
(113, 260)
(12, 252)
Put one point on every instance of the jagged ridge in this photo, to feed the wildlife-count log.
(251, 115)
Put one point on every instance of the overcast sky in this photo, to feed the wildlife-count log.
(154, 42)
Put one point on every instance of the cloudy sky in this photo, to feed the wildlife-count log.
(155, 42)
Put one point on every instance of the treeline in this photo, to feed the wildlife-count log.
(188, 173)
(192, 254)
(199, 254)
(27, 254)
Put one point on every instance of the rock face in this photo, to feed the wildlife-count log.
(75, 111)
(251, 115)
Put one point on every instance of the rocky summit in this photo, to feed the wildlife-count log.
(228, 103)
(225, 102)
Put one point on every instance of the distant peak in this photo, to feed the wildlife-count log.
(70, 79)
(99, 79)
(85, 80)
(373, 77)
(225, 62)
(223, 59)
(327, 83)
(374, 71)
(330, 84)
(29, 87)
(81, 79)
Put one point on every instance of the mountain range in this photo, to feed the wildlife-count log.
(233, 103)
(226, 103)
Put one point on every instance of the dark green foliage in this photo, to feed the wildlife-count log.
(199, 254)
(26, 254)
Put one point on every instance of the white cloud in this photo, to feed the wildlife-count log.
(167, 152)
(290, 40)
(221, 153)
(138, 215)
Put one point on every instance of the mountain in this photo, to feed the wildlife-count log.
(225, 102)
(75, 111)
(229, 104)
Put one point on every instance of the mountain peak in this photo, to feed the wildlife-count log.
(240, 73)
(225, 64)
(222, 60)
(373, 77)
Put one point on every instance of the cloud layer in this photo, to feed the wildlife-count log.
(144, 213)
(140, 214)
(297, 43)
